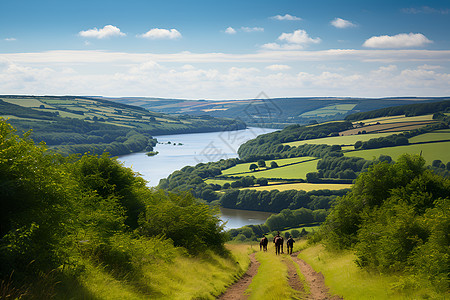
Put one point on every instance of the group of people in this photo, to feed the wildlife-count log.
(278, 241)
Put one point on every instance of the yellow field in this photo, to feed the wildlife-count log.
(302, 187)
(396, 119)
(340, 140)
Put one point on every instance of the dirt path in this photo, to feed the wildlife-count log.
(316, 282)
(236, 291)
(293, 279)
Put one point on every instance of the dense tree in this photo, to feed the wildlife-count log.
(253, 167)
(393, 216)
(261, 163)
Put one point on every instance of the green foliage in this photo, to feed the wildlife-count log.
(182, 219)
(109, 179)
(276, 201)
(62, 215)
(395, 217)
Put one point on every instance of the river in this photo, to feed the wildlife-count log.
(179, 150)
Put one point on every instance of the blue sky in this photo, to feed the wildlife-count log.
(225, 49)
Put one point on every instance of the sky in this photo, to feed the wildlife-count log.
(230, 49)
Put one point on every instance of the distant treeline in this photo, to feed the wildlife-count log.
(276, 201)
(407, 110)
(285, 219)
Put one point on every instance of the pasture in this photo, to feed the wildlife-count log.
(242, 168)
(396, 119)
(438, 135)
(301, 186)
(340, 140)
(430, 151)
(329, 110)
(296, 171)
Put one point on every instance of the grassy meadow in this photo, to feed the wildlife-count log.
(245, 167)
(297, 171)
(344, 278)
(430, 151)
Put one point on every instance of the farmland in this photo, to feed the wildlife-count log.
(430, 151)
(295, 171)
(302, 187)
(245, 167)
(340, 140)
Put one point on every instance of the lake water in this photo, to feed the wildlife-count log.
(180, 150)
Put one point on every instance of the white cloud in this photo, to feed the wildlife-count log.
(275, 46)
(10, 39)
(286, 17)
(278, 67)
(188, 67)
(158, 33)
(90, 57)
(341, 23)
(252, 29)
(105, 32)
(401, 40)
(230, 30)
(154, 78)
(298, 37)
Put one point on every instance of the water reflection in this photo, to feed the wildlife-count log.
(237, 218)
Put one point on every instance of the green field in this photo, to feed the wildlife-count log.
(26, 102)
(302, 187)
(340, 140)
(438, 135)
(242, 168)
(430, 151)
(297, 171)
(396, 119)
(329, 110)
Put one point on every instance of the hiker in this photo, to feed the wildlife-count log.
(278, 241)
(290, 244)
(263, 243)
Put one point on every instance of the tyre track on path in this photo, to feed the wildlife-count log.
(236, 291)
(316, 282)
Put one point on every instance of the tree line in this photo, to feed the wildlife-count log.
(407, 110)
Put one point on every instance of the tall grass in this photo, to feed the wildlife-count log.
(185, 277)
(271, 280)
(344, 278)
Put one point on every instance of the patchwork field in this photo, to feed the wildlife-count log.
(396, 119)
(302, 186)
(340, 140)
(438, 135)
(430, 151)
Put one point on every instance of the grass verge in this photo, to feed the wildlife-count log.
(344, 278)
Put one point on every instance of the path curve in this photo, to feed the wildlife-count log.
(236, 290)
